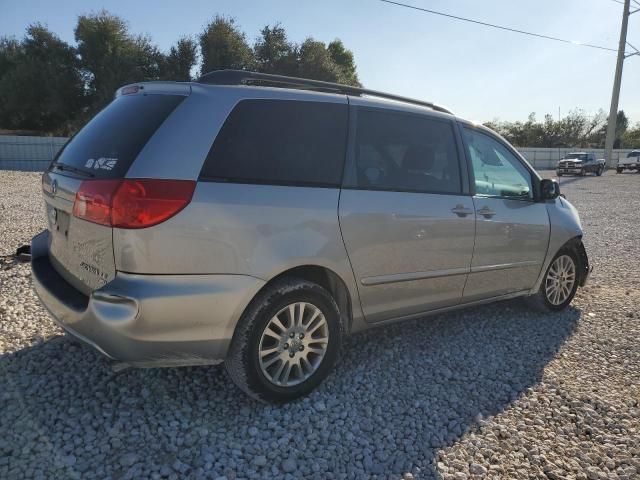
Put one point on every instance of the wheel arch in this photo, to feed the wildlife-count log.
(327, 279)
(574, 243)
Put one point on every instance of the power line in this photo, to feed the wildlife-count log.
(500, 27)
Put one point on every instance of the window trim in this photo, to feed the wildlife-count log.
(274, 183)
(535, 178)
(350, 161)
(278, 183)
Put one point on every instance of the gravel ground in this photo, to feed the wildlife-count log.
(494, 392)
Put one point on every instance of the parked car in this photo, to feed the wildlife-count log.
(580, 163)
(226, 220)
(632, 162)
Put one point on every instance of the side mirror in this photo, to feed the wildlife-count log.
(549, 189)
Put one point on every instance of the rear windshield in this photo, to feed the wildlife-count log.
(108, 144)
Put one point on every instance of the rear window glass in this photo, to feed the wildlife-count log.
(397, 151)
(109, 143)
(280, 142)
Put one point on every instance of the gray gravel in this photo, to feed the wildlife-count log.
(493, 392)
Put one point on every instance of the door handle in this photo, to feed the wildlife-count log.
(461, 210)
(486, 212)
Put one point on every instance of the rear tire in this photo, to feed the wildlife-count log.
(278, 354)
(619, 170)
(555, 294)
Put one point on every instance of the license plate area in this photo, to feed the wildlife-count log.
(58, 223)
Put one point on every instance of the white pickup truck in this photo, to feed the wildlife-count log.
(632, 162)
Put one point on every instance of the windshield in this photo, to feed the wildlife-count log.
(579, 156)
(635, 153)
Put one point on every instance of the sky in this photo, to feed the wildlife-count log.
(480, 73)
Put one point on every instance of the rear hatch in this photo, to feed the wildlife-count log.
(81, 250)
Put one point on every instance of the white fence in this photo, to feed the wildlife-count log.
(35, 153)
(546, 158)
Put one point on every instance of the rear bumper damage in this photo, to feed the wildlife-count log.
(147, 320)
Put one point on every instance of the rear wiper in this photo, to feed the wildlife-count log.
(63, 167)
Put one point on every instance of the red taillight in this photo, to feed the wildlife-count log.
(131, 203)
(93, 200)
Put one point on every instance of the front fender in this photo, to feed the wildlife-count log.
(565, 227)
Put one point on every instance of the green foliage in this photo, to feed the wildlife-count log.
(181, 59)
(110, 57)
(223, 45)
(40, 84)
(50, 86)
(274, 53)
(631, 137)
(343, 58)
(575, 130)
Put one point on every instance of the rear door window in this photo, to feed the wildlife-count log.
(107, 145)
(280, 142)
(404, 152)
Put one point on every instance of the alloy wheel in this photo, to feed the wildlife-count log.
(560, 280)
(293, 344)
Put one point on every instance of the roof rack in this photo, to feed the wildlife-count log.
(240, 77)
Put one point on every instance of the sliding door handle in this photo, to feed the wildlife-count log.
(461, 211)
(486, 212)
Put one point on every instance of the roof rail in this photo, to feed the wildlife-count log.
(239, 77)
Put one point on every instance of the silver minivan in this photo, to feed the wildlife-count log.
(257, 220)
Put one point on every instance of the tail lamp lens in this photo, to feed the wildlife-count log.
(131, 203)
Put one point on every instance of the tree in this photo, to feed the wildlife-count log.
(40, 84)
(274, 53)
(631, 137)
(111, 57)
(622, 123)
(315, 62)
(224, 46)
(181, 59)
(344, 60)
(575, 130)
(47, 85)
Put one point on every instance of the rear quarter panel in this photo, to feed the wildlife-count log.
(243, 229)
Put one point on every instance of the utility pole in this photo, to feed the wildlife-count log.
(615, 96)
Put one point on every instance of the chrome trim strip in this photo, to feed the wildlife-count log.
(503, 266)
(406, 277)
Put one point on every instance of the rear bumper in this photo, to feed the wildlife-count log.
(147, 320)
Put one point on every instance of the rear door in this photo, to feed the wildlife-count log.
(81, 251)
(512, 230)
(406, 219)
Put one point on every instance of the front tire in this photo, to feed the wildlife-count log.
(559, 284)
(618, 170)
(599, 171)
(287, 341)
